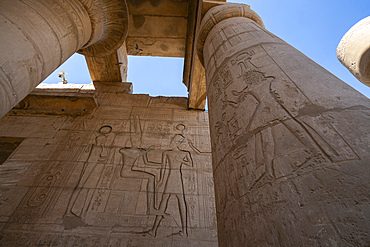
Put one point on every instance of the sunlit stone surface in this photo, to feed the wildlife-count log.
(290, 141)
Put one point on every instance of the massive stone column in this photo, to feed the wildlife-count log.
(354, 50)
(38, 36)
(290, 141)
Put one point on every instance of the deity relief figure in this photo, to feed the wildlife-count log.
(265, 110)
(132, 163)
(164, 179)
(172, 181)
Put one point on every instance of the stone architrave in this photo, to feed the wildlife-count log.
(290, 141)
(354, 50)
(38, 36)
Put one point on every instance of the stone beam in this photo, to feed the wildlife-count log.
(157, 28)
(197, 89)
(109, 68)
(193, 22)
(57, 99)
(193, 76)
(354, 50)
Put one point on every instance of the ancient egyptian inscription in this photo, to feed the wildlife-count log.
(119, 181)
(276, 143)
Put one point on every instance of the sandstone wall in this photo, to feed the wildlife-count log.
(132, 171)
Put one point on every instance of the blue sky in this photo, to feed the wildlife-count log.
(314, 27)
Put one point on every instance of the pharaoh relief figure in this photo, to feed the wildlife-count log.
(172, 181)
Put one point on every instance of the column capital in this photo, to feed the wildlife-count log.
(109, 20)
(220, 13)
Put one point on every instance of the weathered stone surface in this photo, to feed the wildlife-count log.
(194, 76)
(47, 33)
(354, 50)
(157, 28)
(7, 147)
(33, 47)
(197, 87)
(109, 68)
(109, 20)
(127, 174)
(290, 141)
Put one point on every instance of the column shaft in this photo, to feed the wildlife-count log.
(290, 141)
(36, 37)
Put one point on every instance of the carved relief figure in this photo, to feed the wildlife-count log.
(99, 153)
(244, 61)
(94, 191)
(269, 112)
(264, 111)
(41, 199)
(171, 179)
(222, 139)
(132, 163)
(164, 179)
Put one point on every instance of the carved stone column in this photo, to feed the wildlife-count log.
(38, 36)
(290, 141)
(354, 50)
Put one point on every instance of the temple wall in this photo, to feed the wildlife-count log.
(132, 170)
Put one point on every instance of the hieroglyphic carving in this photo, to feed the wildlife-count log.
(98, 153)
(165, 179)
(132, 156)
(290, 157)
(244, 61)
(265, 118)
(223, 81)
(42, 198)
(104, 176)
(172, 181)
(226, 77)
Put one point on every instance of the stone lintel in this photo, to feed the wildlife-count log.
(67, 99)
(193, 21)
(49, 104)
(113, 87)
(197, 91)
(70, 89)
(157, 28)
(58, 99)
(194, 77)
